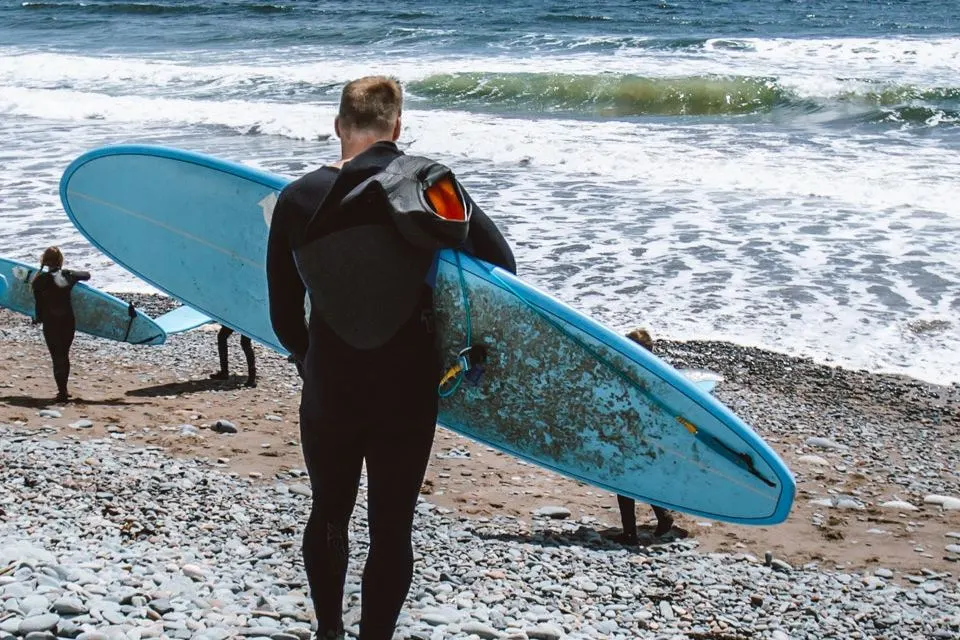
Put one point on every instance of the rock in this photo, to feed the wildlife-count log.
(83, 423)
(188, 430)
(898, 505)
(69, 606)
(824, 443)
(779, 635)
(194, 572)
(779, 565)
(666, 611)
(883, 573)
(301, 490)
(544, 632)
(482, 630)
(817, 460)
(161, 606)
(49, 413)
(44, 622)
(555, 513)
(953, 548)
(224, 426)
(948, 503)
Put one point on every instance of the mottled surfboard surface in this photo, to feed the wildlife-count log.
(97, 313)
(559, 389)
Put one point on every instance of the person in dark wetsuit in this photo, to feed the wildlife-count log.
(376, 405)
(627, 505)
(246, 345)
(51, 291)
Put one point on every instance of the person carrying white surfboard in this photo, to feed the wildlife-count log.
(358, 237)
(51, 290)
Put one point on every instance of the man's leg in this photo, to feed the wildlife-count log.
(222, 336)
(334, 458)
(397, 459)
(247, 347)
(628, 518)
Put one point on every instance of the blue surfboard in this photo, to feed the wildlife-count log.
(97, 313)
(559, 389)
(181, 319)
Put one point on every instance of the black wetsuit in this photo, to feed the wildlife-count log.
(51, 292)
(246, 345)
(377, 405)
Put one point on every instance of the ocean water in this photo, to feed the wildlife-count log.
(778, 173)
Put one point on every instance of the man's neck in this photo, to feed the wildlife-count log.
(354, 146)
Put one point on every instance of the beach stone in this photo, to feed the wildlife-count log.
(953, 548)
(553, 512)
(83, 423)
(544, 632)
(817, 460)
(40, 635)
(34, 604)
(69, 606)
(189, 430)
(49, 413)
(194, 571)
(44, 622)
(11, 625)
(823, 443)
(301, 490)
(948, 503)
(898, 505)
(224, 426)
(883, 573)
(482, 630)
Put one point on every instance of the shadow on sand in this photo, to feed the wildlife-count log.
(190, 386)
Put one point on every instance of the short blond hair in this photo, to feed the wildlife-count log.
(372, 103)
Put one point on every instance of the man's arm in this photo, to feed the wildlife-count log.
(485, 241)
(37, 306)
(77, 276)
(285, 288)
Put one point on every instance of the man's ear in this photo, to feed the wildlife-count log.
(396, 130)
(336, 126)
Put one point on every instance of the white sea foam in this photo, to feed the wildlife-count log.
(835, 244)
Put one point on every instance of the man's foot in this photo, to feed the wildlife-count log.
(664, 525)
(63, 396)
(251, 382)
(219, 375)
(627, 539)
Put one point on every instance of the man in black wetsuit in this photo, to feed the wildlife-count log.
(359, 403)
(51, 292)
(246, 345)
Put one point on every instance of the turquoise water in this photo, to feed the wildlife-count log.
(776, 173)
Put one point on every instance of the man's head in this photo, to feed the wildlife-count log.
(52, 258)
(370, 109)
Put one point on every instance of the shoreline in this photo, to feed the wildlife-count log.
(853, 440)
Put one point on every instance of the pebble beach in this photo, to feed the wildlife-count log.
(136, 512)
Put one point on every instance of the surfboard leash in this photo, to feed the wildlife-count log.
(464, 361)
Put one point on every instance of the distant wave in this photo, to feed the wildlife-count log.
(626, 95)
(148, 8)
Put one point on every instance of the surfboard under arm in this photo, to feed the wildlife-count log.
(181, 319)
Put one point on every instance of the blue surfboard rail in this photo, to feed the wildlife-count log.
(686, 416)
(97, 312)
